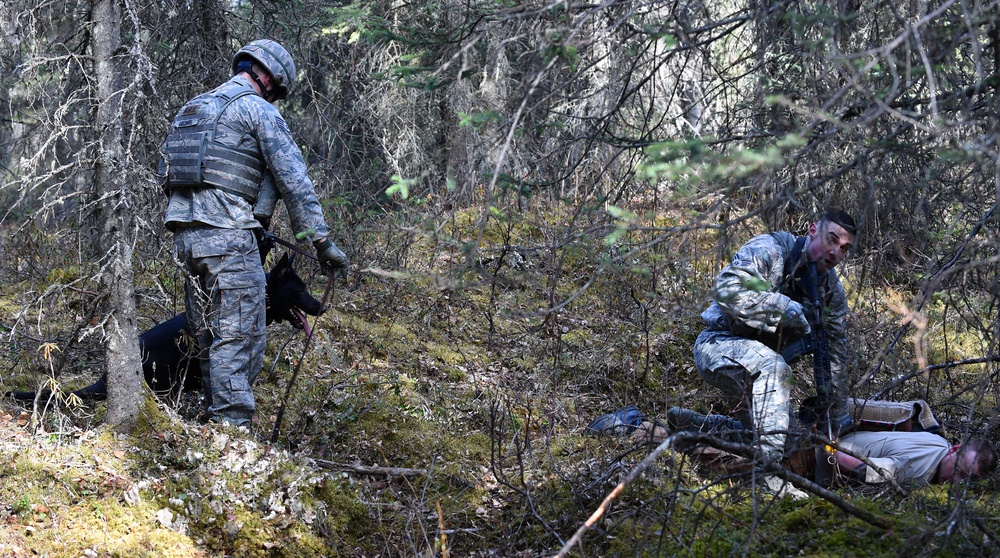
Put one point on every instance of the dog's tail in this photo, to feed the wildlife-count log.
(97, 391)
(24, 395)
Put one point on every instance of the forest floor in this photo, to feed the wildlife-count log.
(436, 416)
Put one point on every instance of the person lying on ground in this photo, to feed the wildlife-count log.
(913, 457)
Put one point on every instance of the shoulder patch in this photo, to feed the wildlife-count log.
(282, 125)
(744, 257)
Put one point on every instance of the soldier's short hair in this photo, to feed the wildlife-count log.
(986, 457)
(840, 217)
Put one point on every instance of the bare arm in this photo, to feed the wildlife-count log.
(851, 466)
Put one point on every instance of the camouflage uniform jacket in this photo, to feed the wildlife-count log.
(751, 295)
(250, 123)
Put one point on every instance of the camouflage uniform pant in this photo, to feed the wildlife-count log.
(225, 309)
(755, 380)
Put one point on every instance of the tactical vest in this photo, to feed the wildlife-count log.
(792, 262)
(193, 159)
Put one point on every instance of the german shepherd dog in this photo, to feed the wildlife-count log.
(169, 357)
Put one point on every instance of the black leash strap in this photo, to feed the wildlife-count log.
(298, 366)
(289, 245)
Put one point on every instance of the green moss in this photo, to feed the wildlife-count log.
(152, 420)
(65, 274)
(345, 514)
(245, 533)
(71, 499)
(579, 336)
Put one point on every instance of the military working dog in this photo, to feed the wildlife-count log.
(169, 356)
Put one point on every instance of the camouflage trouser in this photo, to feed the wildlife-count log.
(225, 309)
(731, 363)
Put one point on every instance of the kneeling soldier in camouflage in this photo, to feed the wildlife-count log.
(765, 301)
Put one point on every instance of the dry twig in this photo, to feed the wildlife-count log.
(373, 471)
(690, 439)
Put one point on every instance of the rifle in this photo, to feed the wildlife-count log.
(816, 342)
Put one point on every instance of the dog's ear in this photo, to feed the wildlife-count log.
(282, 264)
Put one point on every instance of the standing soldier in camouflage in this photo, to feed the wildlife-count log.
(759, 308)
(228, 157)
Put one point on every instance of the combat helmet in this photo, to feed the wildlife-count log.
(274, 58)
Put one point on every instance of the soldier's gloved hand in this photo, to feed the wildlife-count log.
(840, 424)
(331, 258)
(794, 319)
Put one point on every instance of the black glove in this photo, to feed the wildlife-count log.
(331, 258)
(794, 319)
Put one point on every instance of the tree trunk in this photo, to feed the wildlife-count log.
(116, 219)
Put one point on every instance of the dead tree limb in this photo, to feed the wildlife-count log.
(578, 536)
(929, 288)
(683, 440)
(372, 471)
(964, 362)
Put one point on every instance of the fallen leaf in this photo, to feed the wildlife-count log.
(165, 517)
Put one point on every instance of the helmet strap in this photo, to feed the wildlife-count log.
(264, 91)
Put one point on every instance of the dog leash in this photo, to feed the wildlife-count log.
(298, 365)
(268, 236)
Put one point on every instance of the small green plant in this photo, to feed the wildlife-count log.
(21, 505)
(477, 120)
(400, 186)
